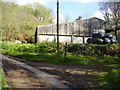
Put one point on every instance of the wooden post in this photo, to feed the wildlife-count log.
(58, 27)
(54, 38)
(83, 39)
(71, 38)
(36, 33)
(65, 53)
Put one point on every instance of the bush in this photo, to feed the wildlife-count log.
(111, 79)
(110, 49)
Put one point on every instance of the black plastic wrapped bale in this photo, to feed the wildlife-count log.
(99, 35)
(95, 35)
(89, 40)
(107, 41)
(113, 40)
(108, 35)
(97, 41)
(102, 38)
(114, 37)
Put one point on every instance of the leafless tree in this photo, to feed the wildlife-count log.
(111, 11)
(67, 18)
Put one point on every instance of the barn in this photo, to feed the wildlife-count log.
(71, 32)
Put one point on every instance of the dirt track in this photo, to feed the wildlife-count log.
(18, 77)
(79, 76)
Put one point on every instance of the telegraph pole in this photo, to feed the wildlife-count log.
(58, 27)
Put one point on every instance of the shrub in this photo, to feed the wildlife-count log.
(110, 49)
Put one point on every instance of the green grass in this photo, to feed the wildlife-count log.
(3, 83)
(46, 52)
(110, 79)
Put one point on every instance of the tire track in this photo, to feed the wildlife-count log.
(40, 74)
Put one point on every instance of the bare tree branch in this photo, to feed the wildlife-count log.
(67, 18)
(111, 12)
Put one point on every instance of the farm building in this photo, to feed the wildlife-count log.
(72, 32)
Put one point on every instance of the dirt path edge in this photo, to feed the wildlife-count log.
(40, 74)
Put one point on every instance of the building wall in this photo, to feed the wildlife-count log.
(75, 32)
(62, 39)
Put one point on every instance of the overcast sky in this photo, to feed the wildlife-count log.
(71, 8)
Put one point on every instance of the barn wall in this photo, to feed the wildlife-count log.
(74, 32)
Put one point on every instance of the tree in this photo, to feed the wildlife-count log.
(41, 12)
(79, 18)
(19, 22)
(67, 18)
(111, 12)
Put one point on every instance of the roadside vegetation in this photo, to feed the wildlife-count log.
(46, 52)
(3, 83)
(19, 22)
(109, 55)
(111, 79)
(82, 54)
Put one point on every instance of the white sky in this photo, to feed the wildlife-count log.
(44, 2)
(98, 14)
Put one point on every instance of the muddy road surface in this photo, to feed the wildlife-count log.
(21, 75)
(18, 77)
(67, 76)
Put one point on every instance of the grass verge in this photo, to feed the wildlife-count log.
(46, 52)
(3, 83)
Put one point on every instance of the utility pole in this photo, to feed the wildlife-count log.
(58, 27)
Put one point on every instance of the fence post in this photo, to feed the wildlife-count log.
(54, 38)
(71, 38)
(36, 35)
(83, 39)
(65, 53)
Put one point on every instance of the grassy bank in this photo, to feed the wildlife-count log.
(108, 55)
(3, 83)
(46, 52)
